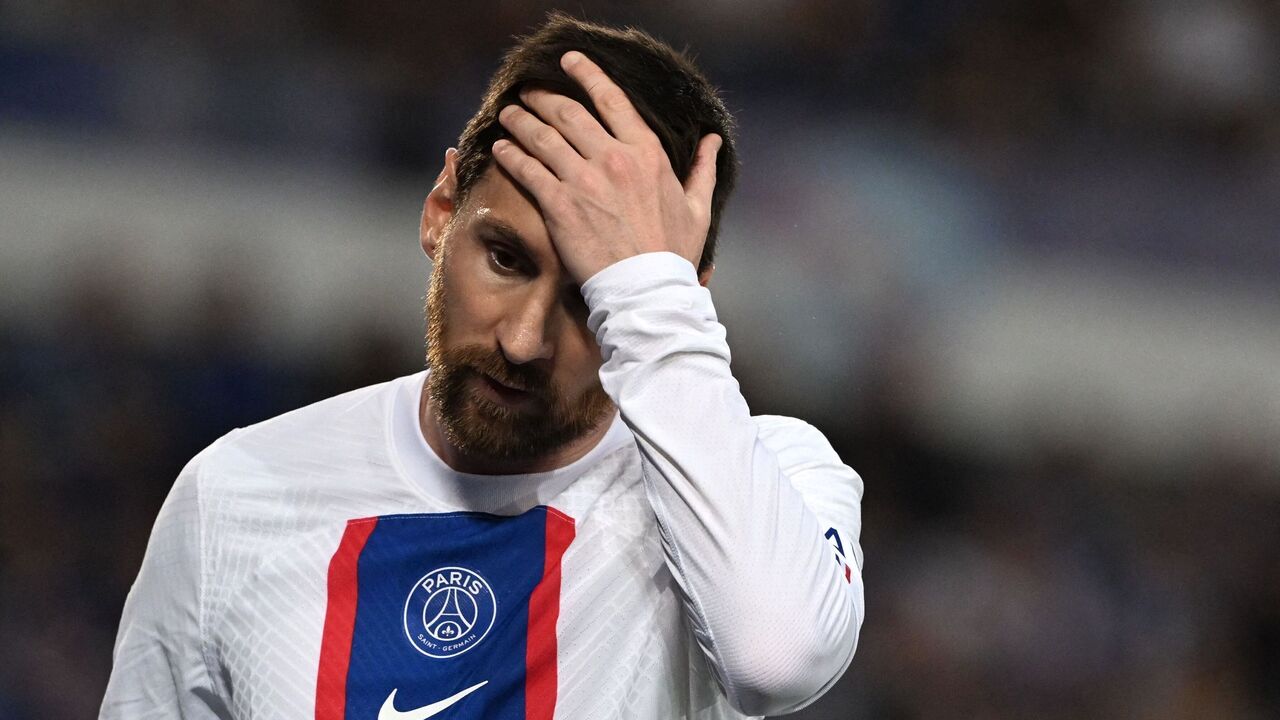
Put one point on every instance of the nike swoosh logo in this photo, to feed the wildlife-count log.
(389, 711)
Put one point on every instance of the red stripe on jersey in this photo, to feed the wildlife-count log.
(848, 574)
(340, 621)
(544, 610)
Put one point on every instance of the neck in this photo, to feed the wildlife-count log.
(455, 458)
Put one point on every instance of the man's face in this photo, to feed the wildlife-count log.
(514, 369)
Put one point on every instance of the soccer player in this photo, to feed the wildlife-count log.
(571, 513)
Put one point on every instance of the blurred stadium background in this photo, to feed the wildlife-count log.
(1019, 260)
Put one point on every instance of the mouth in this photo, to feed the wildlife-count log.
(504, 393)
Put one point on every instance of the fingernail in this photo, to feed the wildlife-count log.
(500, 145)
(571, 58)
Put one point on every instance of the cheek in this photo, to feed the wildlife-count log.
(581, 362)
(468, 307)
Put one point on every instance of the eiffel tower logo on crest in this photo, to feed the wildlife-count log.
(456, 616)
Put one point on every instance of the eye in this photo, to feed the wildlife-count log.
(504, 260)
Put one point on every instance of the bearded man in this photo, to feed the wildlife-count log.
(571, 513)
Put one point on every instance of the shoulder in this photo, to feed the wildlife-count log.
(300, 469)
(338, 431)
(263, 489)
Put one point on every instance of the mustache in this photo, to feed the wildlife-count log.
(488, 362)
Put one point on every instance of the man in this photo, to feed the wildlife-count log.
(572, 513)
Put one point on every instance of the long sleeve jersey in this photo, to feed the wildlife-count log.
(699, 562)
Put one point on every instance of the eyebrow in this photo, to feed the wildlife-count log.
(508, 234)
(489, 225)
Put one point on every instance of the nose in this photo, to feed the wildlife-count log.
(526, 335)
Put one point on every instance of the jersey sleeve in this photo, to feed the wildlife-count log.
(748, 508)
(159, 668)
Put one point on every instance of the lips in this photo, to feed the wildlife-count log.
(505, 385)
(505, 392)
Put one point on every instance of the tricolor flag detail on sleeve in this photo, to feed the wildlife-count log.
(435, 612)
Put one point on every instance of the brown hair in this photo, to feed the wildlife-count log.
(666, 88)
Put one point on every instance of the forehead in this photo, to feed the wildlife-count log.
(496, 200)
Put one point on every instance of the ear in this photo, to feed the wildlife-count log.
(704, 277)
(438, 208)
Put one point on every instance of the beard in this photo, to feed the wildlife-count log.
(482, 428)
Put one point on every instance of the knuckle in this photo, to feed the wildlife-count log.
(572, 112)
(544, 136)
(653, 154)
(554, 202)
(588, 182)
(617, 162)
(614, 99)
(527, 167)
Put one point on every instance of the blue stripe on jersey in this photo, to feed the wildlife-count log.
(443, 605)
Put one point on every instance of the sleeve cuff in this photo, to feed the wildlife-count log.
(635, 273)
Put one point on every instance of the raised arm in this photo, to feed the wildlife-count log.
(759, 518)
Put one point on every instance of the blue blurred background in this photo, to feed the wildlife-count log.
(1019, 260)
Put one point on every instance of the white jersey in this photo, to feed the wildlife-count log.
(326, 564)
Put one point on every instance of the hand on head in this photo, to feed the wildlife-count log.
(606, 192)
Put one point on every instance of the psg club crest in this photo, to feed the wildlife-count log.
(449, 611)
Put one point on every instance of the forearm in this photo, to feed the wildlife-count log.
(776, 617)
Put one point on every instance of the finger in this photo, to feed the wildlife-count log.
(701, 183)
(526, 170)
(540, 140)
(571, 119)
(612, 103)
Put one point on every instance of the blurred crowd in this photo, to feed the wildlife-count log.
(95, 422)
(1051, 588)
(389, 81)
(1041, 583)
